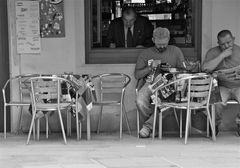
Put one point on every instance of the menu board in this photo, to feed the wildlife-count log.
(52, 18)
(27, 27)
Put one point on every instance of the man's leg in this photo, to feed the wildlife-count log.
(146, 109)
(225, 95)
(236, 93)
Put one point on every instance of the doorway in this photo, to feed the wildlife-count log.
(4, 58)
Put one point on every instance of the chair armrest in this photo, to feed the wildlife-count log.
(155, 86)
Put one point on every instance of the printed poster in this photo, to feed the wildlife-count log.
(27, 27)
(52, 18)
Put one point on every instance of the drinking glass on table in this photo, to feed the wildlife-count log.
(192, 66)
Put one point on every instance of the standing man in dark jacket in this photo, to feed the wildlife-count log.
(130, 30)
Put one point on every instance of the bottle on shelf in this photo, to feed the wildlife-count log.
(118, 9)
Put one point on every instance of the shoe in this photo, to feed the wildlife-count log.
(145, 132)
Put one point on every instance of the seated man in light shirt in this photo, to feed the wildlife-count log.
(147, 61)
(224, 57)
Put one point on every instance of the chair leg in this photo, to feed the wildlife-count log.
(208, 120)
(160, 126)
(188, 118)
(5, 121)
(99, 120)
(126, 119)
(80, 129)
(138, 123)
(176, 117)
(154, 121)
(49, 127)
(67, 133)
(213, 120)
(212, 124)
(180, 123)
(68, 122)
(61, 122)
(47, 130)
(88, 125)
(20, 120)
(120, 120)
(34, 129)
(213, 116)
(38, 128)
(190, 125)
(77, 126)
(31, 126)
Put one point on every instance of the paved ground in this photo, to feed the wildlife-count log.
(107, 151)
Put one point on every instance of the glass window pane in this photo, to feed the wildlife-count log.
(176, 15)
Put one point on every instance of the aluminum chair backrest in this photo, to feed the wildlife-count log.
(200, 88)
(46, 88)
(23, 85)
(112, 84)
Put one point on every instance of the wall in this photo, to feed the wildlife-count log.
(57, 56)
(68, 55)
(226, 16)
(219, 15)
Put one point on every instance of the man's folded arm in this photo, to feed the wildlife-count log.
(209, 65)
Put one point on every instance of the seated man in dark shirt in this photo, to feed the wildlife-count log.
(130, 30)
(147, 61)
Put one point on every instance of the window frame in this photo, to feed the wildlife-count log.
(129, 56)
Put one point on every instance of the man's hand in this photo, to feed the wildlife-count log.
(155, 63)
(227, 52)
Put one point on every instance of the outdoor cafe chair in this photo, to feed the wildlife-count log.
(198, 95)
(112, 84)
(46, 96)
(23, 99)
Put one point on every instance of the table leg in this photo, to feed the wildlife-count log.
(213, 120)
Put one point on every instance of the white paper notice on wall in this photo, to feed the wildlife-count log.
(27, 27)
(28, 44)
